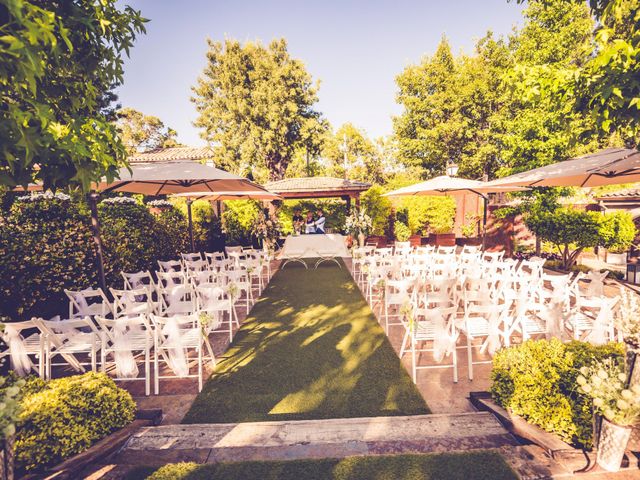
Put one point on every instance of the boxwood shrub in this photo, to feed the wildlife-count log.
(537, 380)
(63, 417)
(45, 246)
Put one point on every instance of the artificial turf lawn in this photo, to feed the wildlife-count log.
(311, 348)
(455, 466)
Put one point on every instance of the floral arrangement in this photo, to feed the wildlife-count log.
(48, 195)
(358, 223)
(119, 200)
(605, 382)
(159, 204)
(267, 229)
(627, 320)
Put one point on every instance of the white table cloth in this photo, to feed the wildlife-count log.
(314, 246)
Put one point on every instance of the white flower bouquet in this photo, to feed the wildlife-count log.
(358, 223)
(605, 383)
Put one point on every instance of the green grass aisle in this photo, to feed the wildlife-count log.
(311, 348)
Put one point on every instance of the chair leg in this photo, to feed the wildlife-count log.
(469, 356)
(404, 343)
(455, 364)
(200, 368)
(414, 370)
(147, 371)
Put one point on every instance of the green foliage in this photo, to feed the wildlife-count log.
(10, 396)
(401, 231)
(377, 207)
(238, 219)
(173, 223)
(140, 132)
(133, 239)
(537, 380)
(429, 214)
(255, 104)
(59, 62)
(470, 228)
(617, 231)
(571, 231)
(66, 416)
(45, 246)
(207, 229)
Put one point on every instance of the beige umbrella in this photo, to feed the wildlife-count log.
(446, 185)
(239, 195)
(607, 167)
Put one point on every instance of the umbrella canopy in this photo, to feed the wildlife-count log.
(607, 167)
(163, 178)
(446, 185)
(230, 195)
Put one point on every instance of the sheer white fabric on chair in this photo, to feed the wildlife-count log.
(217, 303)
(196, 265)
(87, 303)
(174, 337)
(132, 303)
(122, 339)
(398, 294)
(68, 338)
(595, 288)
(204, 276)
(436, 325)
(177, 300)
(137, 280)
(170, 266)
(240, 281)
(19, 347)
(484, 322)
(595, 323)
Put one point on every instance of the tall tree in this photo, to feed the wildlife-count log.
(140, 132)
(59, 64)
(256, 106)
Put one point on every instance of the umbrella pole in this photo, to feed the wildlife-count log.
(95, 227)
(484, 223)
(189, 202)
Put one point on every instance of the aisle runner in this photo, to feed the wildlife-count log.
(310, 349)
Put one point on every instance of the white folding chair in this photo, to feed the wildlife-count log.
(174, 338)
(218, 304)
(137, 280)
(87, 303)
(483, 321)
(133, 303)
(170, 266)
(22, 340)
(190, 257)
(121, 340)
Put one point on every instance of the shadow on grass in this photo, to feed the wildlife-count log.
(311, 348)
(469, 466)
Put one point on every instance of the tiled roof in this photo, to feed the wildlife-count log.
(315, 184)
(625, 193)
(172, 154)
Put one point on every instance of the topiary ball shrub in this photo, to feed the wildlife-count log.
(63, 417)
(45, 246)
(537, 380)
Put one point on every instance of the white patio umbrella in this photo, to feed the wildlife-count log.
(607, 167)
(445, 185)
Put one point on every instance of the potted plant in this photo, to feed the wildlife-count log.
(617, 231)
(470, 230)
(401, 232)
(358, 225)
(617, 405)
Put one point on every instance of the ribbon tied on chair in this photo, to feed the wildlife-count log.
(20, 362)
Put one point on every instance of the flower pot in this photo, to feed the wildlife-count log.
(617, 258)
(443, 239)
(361, 239)
(471, 241)
(612, 444)
(415, 240)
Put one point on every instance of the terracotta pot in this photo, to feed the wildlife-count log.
(612, 444)
(415, 240)
(472, 241)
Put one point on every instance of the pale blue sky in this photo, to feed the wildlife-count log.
(355, 48)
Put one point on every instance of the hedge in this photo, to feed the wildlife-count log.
(537, 380)
(45, 246)
(63, 417)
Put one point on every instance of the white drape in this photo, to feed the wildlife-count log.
(177, 358)
(19, 359)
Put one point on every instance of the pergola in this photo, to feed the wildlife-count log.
(319, 187)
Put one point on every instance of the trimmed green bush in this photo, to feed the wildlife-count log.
(237, 221)
(430, 214)
(132, 238)
(63, 417)
(617, 231)
(45, 247)
(537, 380)
(173, 224)
(378, 208)
(401, 231)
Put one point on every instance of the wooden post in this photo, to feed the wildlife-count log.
(95, 227)
(348, 200)
(357, 202)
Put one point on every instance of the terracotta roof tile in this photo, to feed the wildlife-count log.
(625, 193)
(315, 184)
(172, 154)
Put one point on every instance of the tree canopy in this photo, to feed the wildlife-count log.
(140, 132)
(59, 64)
(256, 107)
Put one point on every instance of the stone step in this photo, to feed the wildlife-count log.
(339, 437)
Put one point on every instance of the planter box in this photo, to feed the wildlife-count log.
(415, 240)
(616, 258)
(473, 241)
(443, 239)
(381, 241)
